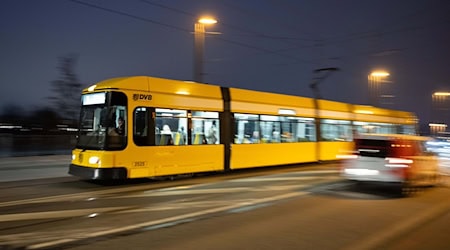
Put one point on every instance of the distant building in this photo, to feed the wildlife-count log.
(440, 113)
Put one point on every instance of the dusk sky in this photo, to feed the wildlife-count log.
(267, 45)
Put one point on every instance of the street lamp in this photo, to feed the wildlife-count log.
(199, 45)
(375, 78)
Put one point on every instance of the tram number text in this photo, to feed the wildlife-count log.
(139, 164)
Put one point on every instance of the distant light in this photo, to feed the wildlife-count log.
(207, 20)
(379, 74)
(10, 126)
(442, 94)
(437, 125)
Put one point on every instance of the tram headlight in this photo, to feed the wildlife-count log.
(74, 156)
(94, 160)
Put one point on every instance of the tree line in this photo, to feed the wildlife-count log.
(61, 113)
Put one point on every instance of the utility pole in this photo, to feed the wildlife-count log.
(323, 74)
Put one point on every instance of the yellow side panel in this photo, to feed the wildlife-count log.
(138, 172)
(253, 96)
(327, 114)
(334, 106)
(250, 101)
(330, 150)
(161, 85)
(170, 160)
(270, 109)
(258, 155)
(185, 102)
(374, 114)
(156, 160)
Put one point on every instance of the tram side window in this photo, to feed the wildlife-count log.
(336, 130)
(305, 130)
(251, 128)
(141, 135)
(247, 129)
(116, 120)
(375, 128)
(170, 127)
(270, 129)
(287, 129)
(406, 129)
(205, 128)
(297, 129)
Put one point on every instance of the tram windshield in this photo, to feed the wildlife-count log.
(103, 121)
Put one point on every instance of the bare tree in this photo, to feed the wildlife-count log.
(67, 89)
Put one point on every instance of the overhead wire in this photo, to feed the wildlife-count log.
(129, 15)
(321, 42)
(182, 29)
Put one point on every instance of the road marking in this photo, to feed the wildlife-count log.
(183, 205)
(57, 214)
(88, 195)
(169, 220)
(262, 179)
(170, 192)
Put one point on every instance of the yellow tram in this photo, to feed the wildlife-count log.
(176, 127)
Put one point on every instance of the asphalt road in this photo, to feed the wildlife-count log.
(299, 207)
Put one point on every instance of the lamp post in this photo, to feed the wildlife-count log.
(375, 78)
(199, 46)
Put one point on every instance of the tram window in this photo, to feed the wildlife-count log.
(205, 127)
(118, 99)
(142, 118)
(273, 129)
(246, 128)
(170, 127)
(270, 129)
(406, 129)
(304, 130)
(336, 130)
(375, 128)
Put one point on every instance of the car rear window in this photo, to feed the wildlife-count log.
(385, 148)
(373, 148)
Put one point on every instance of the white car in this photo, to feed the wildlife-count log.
(392, 159)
